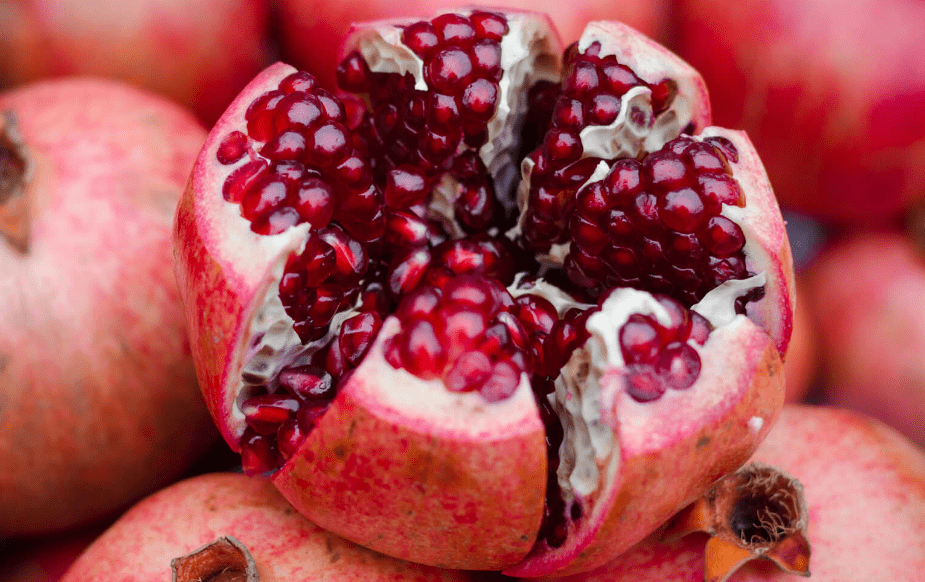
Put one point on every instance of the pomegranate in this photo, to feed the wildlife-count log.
(827, 90)
(859, 476)
(867, 291)
(312, 32)
(44, 559)
(160, 45)
(100, 403)
(802, 364)
(269, 541)
(454, 362)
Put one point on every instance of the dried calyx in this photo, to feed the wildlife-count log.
(15, 173)
(758, 512)
(224, 560)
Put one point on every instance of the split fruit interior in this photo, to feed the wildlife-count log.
(495, 306)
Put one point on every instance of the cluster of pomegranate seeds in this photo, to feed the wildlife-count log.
(278, 421)
(590, 94)
(464, 334)
(659, 357)
(656, 224)
(429, 131)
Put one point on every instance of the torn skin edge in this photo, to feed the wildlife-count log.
(224, 560)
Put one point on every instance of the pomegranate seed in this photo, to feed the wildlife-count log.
(299, 111)
(239, 181)
(639, 339)
(681, 210)
(700, 328)
(405, 187)
(408, 270)
(420, 37)
(479, 99)
(454, 29)
(298, 81)
(422, 353)
(265, 194)
(232, 148)
(353, 74)
(268, 409)
(449, 70)
(289, 437)
(536, 313)
(258, 453)
(308, 383)
(486, 59)
(289, 145)
(468, 372)
(357, 335)
(502, 383)
(489, 25)
(679, 365)
(315, 202)
(643, 383)
(722, 237)
(581, 78)
(328, 145)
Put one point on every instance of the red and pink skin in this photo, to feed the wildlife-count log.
(160, 45)
(860, 477)
(826, 90)
(285, 546)
(867, 292)
(427, 457)
(312, 32)
(100, 402)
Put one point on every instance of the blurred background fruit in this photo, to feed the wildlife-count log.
(198, 53)
(832, 92)
(868, 293)
(99, 403)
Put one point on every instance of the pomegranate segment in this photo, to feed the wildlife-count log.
(425, 380)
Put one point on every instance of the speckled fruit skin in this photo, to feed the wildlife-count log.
(868, 293)
(826, 89)
(285, 546)
(861, 478)
(99, 402)
(312, 31)
(161, 45)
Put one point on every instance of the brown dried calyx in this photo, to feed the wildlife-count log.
(224, 560)
(757, 512)
(15, 172)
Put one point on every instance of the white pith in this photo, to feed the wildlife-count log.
(529, 54)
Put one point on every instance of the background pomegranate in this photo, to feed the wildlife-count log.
(43, 559)
(312, 32)
(199, 57)
(859, 475)
(425, 345)
(826, 89)
(867, 291)
(193, 513)
(99, 403)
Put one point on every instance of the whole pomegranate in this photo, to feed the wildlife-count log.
(259, 538)
(867, 291)
(859, 476)
(312, 32)
(502, 307)
(826, 88)
(43, 559)
(99, 402)
(161, 45)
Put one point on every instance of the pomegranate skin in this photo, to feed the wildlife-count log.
(860, 477)
(827, 105)
(867, 292)
(160, 45)
(312, 33)
(100, 402)
(190, 514)
(663, 461)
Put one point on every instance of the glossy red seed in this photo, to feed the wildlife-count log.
(454, 29)
(422, 352)
(479, 99)
(332, 106)
(624, 181)
(681, 210)
(308, 383)
(486, 59)
(618, 79)
(679, 365)
(665, 170)
(719, 189)
(581, 79)
(328, 145)
(298, 81)
(502, 382)
(489, 25)
(569, 114)
(315, 202)
(357, 335)
(405, 229)
(603, 109)
(258, 453)
(408, 270)
(449, 71)
(288, 145)
(722, 237)
(640, 339)
(353, 74)
(420, 37)
(277, 221)
(562, 146)
(726, 146)
(289, 438)
(405, 187)
(264, 194)
(350, 258)
(468, 372)
(700, 328)
(299, 111)
(703, 157)
(536, 313)
(238, 182)
(444, 109)
(643, 383)
(232, 148)
(460, 327)
(269, 409)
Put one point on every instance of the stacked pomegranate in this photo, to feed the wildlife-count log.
(499, 306)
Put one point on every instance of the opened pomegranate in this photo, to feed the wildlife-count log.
(859, 476)
(187, 528)
(99, 402)
(500, 307)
